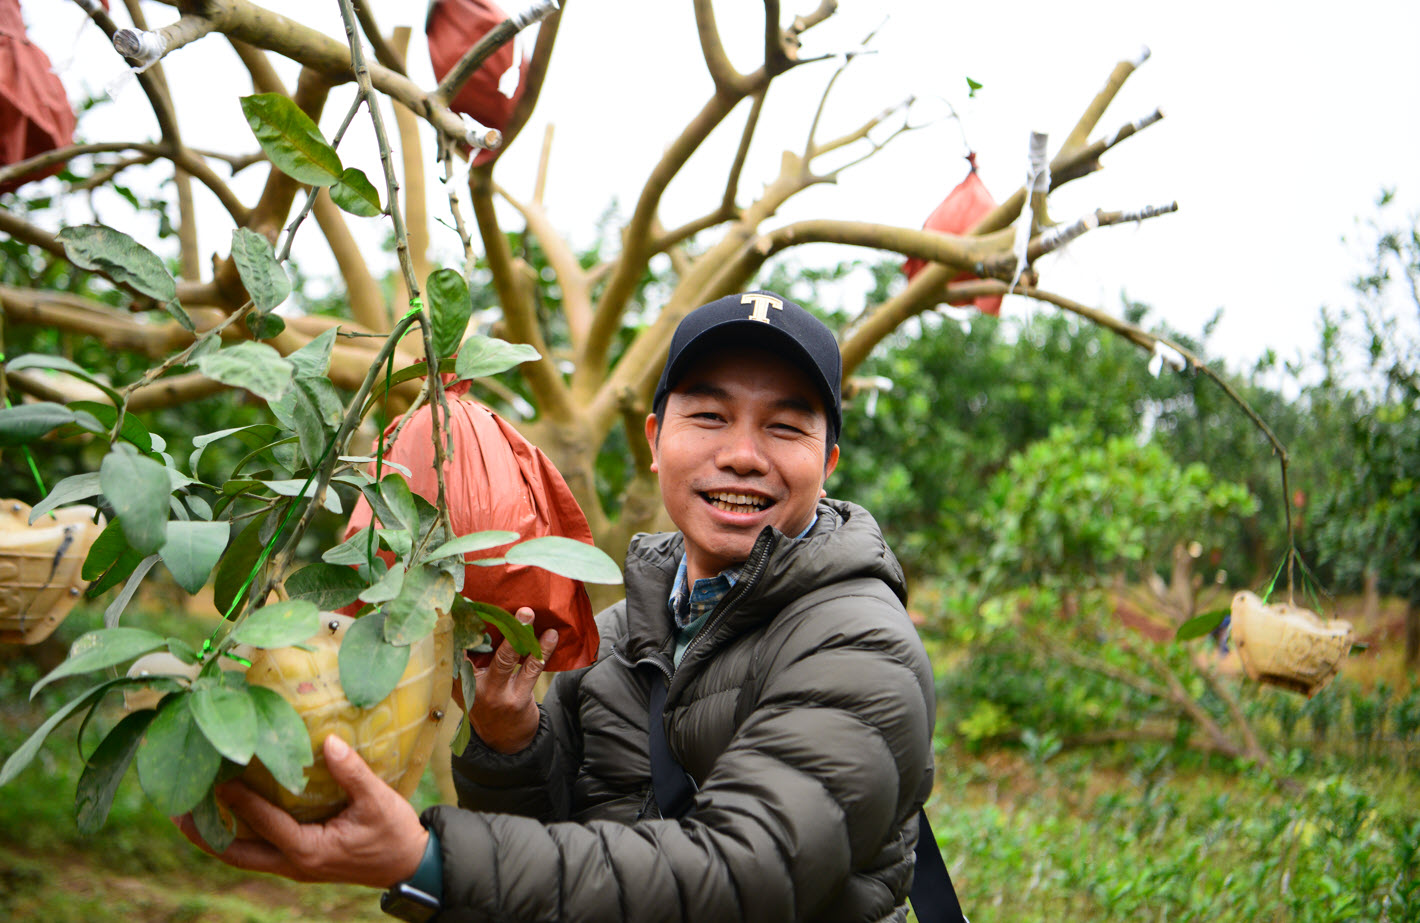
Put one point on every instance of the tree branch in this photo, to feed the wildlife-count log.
(727, 80)
(518, 314)
(483, 49)
(367, 302)
(533, 79)
(385, 52)
(576, 292)
(416, 195)
(1095, 110)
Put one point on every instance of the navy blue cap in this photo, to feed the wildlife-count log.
(766, 320)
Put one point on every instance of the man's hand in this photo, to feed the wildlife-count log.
(504, 714)
(377, 840)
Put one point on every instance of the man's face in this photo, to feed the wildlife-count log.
(743, 445)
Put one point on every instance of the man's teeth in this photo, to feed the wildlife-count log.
(736, 503)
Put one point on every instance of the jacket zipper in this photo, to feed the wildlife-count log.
(758, 561)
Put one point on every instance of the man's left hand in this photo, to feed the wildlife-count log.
(377, 840)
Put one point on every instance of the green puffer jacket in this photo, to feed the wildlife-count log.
(803, 710)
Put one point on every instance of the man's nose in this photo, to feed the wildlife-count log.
(741, 452)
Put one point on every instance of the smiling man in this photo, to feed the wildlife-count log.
(754, 739)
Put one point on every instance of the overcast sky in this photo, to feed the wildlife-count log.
(1282, 123)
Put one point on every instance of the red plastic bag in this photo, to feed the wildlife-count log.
(496, 479)
(452, 28)
(959, 212)
(34, 111)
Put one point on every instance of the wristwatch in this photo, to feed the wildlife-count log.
(419, 898)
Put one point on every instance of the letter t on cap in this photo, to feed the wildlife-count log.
(762, 303)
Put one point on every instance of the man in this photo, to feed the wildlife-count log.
(797, 695)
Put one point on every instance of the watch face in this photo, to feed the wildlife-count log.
(406, 903)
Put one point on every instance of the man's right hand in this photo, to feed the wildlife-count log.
(504, 713)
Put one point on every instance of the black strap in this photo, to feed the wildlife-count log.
(673, 785)
(934, 900)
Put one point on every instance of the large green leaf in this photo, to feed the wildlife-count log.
(226, 717)
(133, 429)
(280, 624)
(105, 768)
(387, 587)
(282, 742)
(291, 139)
(313, 359)
(520, 635)
(262, 276)
(72, 489)
(61, 364)
(176, 763)
(474, 541)
(138, 489)
(567, 557)
(216, 830)
(105, 550)
(481, 356)
(370, 667)
(395, 491)
(411, 615)
(121, 258)
(354, 550)
(254, 366)
(449, 309)
(316, 415)
(106, 647)
(22, 757)
(354, 193)
(193, 550)
(24, 424)
(234, 568)
(329, 586)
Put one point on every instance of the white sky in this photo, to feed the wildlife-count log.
(1283, 122)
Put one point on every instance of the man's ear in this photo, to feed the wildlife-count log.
(651, 433)
(828, 468)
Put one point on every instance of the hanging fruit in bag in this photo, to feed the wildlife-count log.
(959, 212)
(455, 26)
(35, 116)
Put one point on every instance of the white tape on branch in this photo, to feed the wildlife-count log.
(143, 48)
(1037, 180)
(535, 13)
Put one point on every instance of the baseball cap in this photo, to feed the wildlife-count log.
(766, 320)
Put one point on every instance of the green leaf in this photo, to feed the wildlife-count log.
(567, 557)
(282, 742)
(481, 356)
(427, 591)
(22, 757)
(316, 413)
(106, 647)
(234, 568)
(313, 359)
(24, 424)
(120, 602)
(133, 429)
(125, 564)
(518, 634)
(116, 255)
(370, 667)
(1200, 625)
(105, 768)
(353, 550)
(387, 587)
(396, 540)
(262, 276)
(354, 194)
(227, 718)
(474, 541)
(193, 550)
(176, 763)
(183, 651)
(291, 140)
(265, 326)
(449, 309)
(329, 586)
(138, 489)
(280, 624)
(292, 487)
(105, 550)
(253, 436)
(72, 489)
(216, 831)
(971, 87)
(395, 491)
(254, 366)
